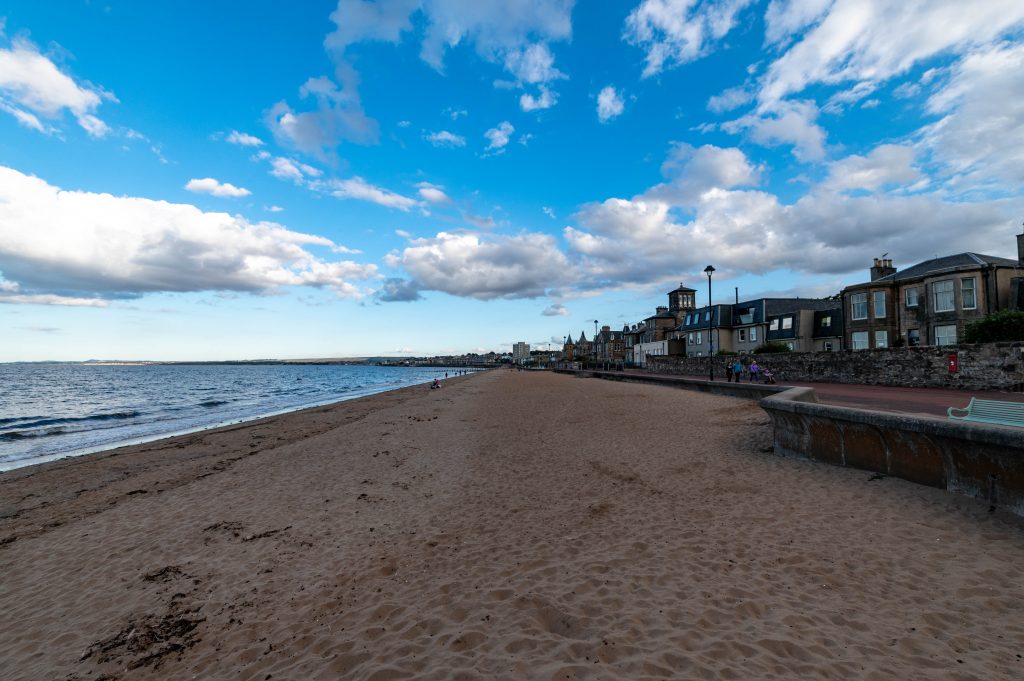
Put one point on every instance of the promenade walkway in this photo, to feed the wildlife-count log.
(917, 401)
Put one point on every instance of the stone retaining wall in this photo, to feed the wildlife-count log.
(985, 462)
(984, 366)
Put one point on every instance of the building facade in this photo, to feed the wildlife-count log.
(931, 302)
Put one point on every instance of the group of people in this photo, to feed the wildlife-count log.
(734, 372)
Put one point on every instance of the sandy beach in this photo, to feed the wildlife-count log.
(508, 526)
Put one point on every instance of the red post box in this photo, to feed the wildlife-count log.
(953, 362)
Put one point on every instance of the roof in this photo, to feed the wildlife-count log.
(685, 289)
(774, 306)
(661, 315)
(947, 263)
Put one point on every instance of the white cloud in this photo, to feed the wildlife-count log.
(514, 33)
(208, 185)
(550, 212)
(94, 247)
(674, 32)
(31, 85)
(874, 40)
(273, 209)
(289, 169)
(546, 100)
(443, 138)
(643, 240)
(609, 104)
(338, 116)
(404, 124)
(533, 64)
(785, 18)
(788, 123)
(730, 99)
(693, 171)
(887, 165)
(358, 188)
(51, 299)
(976, 140)
(244, 139)
(555, 310)
(485, 266)
(432, 193)
(500, 135)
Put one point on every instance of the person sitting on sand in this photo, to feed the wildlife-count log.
(435, 384)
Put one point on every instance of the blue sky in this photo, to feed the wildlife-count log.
(217, 181)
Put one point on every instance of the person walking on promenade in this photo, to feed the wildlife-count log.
(728, 370)
(754, 370)
(737, 370)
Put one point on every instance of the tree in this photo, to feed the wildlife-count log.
(1001, 326)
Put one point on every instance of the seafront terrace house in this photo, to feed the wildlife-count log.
(609, 346)
(794, 321)
(827, 335)
(931, 302)
(653, 338)
(744, 326)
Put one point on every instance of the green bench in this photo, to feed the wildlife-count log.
(991, 411)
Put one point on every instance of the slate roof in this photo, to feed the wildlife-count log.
(776, 306)
(947, 263)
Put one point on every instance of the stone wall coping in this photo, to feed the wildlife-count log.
(803, 401)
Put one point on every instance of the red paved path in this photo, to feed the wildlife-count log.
(919, 401)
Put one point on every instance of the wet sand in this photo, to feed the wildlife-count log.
(508, 526)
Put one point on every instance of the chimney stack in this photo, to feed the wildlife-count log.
(1020, 250)
(882, 267)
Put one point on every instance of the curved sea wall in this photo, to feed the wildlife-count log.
(980, 461)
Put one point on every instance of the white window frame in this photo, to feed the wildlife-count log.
(859, 340)
(787, 323)
(881, 339)
(936, 292)
(912, 301)
(753, 334)
(773, 325)
(859, 305)
(826, 321)
(876, 298)
(963, 294)
(827, 346)
(743, 335)
(700, 338)
(945, 338)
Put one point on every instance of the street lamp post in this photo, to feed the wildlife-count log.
(709, 270)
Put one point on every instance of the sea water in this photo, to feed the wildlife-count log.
(48, 411)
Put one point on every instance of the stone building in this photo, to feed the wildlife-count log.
(930, 303)
(609, 346)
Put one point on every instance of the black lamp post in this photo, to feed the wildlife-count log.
(709, 270)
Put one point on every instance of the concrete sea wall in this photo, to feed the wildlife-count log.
(984, 366)
(980, 461)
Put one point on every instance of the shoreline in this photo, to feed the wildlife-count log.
(16, 464)
(512, 525)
